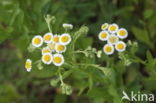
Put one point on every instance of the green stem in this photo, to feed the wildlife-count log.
(60, 76)
(49, 20)
(49, 27)
(77, 52)
(61, 79)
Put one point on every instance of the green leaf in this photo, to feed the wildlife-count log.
(148, 13)
(142, 36)
(59, 98)
(8, 93)
(90, 81)
(149, 56)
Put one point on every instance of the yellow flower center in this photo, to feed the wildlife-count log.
(64, 38)
(57, 60)
(56, 39)
(46, 58)
(28, 65)
(60, 47)
(113, 39)
(108, 49)
(112, 28)
(120, 46)
(104, 35)
(37, 41)
(122, 32)
(46, 51)
(47, 37)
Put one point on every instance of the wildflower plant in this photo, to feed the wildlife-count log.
(58, 50)
(113, 35)
(52, 46)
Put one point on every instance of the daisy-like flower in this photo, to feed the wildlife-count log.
(51, 46)
(122, 33)
(65, 39)
(104, 26)
(47, 58)
(28, 65)
(103, 35)
(112, 39)
(67, 26)
(113, 28)
(58, 59)
(46, 50)
(48, 37)
(37, 41)
(108, 49)
(113, 34)
(120, 46)
(56, 39)
(59, 48)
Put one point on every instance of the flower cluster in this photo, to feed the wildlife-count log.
(113, 35)
(52, 46)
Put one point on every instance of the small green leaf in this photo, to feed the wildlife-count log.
(149, 56)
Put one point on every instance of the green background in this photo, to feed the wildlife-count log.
(20, 20)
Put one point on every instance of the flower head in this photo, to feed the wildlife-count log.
(112, 39)
(48, 37)
(108, 49)
(56, 39)
(28, 65)
(51, 46)
(113, 28)
(59, 48)
(46, 50)
(120, 46)
(122, 33)
(103, 35)
(47, 58)
(65, 39)
(104, 26)
(58, 59)
(68, 26)
(37, 41)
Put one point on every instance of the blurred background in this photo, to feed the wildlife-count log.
(20, 20)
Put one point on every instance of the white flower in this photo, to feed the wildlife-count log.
(120, 46)
(59, 48)
(47, 58)
(103, 35)
(28, 65)
(46, 50)
(68, 26)
(112, 39)
(113, 28)
(51, 46)
(37, 41)
(65, 39)
(108, 49)
(122, 33)
(56, 39)
(58, 59)
(48, 37)
(104, 26)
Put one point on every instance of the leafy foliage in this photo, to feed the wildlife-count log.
(92, 79)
